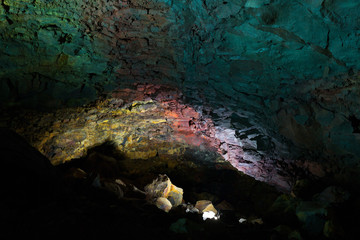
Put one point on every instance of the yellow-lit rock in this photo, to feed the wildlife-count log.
(163, 204)
(162, 188)
(175, 196)
(205, 206)
(141, 155)
(139, 128)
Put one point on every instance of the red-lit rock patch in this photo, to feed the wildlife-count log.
(143, 122)
(140, 124)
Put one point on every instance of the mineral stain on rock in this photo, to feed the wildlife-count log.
(269, 88)
(147, 124)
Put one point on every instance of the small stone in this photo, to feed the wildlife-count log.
(242, 220)
(120, 182)
(114, 188)
(76, 173)
(190, 208)
(224, 205)
(205, 206)
(163, 204)
(257, 221)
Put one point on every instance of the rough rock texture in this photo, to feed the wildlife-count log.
(287, 66)
(163, 193)
(278, 78)
(63, 52)
(141, 128)
(43, 201)
(152, 122)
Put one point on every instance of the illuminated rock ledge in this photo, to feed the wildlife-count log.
(142, 123)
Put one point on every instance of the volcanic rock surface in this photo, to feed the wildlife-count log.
(271, 86)
(102, 195)
(281, 74)
(152, 121)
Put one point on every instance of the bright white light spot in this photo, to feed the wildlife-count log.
(242, 220)
(210, 215)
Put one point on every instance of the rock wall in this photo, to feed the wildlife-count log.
(279, 71)
(65, 53)
(279, 78)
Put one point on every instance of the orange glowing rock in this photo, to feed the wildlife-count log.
(190, 112)
(170, 114)
(175, 196)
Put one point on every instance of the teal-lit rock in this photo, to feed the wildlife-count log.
(289, 68)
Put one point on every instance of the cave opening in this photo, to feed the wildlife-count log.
(180, 119)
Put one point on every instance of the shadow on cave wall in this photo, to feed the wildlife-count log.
(43, 200)
(35, 192)
(217, 181)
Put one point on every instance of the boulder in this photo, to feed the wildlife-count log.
(163, 193)
(160, 187)
(163, 204)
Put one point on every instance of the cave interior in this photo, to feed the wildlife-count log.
(180, 119)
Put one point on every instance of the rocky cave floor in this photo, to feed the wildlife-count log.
(45, 201)
(44, 196)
